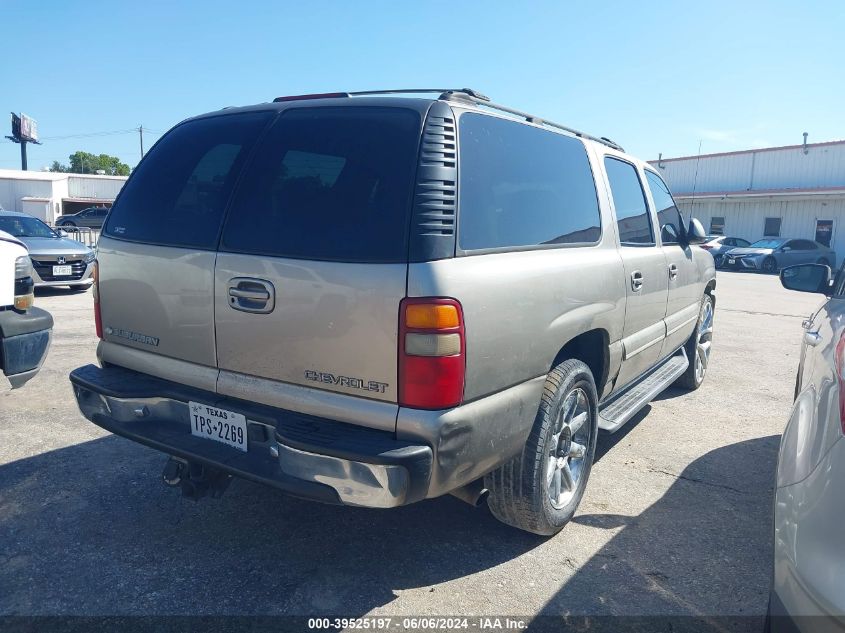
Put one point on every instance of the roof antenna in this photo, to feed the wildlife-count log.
(695, 179)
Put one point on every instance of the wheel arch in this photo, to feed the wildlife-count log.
(593, 349)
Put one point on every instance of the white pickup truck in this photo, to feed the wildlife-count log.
(25, 330)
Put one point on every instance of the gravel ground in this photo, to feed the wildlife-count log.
(676, 518)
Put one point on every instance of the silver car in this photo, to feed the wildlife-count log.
(809, 560)
(771, 254)
(56, 259)
(374, 300)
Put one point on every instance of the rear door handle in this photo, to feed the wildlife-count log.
(673, 271)
(252, 295)
(636, 280)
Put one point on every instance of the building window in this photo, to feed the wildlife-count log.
(717, 225)
(771, 227)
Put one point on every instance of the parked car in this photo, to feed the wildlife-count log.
(718, 245)
(771, 254)
(92, 217)
(24, 329)
(56, 259)
(330, 306)
(809, 561)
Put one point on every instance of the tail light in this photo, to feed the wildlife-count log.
(707, 247)
(432, 353)
(98, 320)
(839, 362)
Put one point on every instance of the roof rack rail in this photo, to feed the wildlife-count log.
(459, 94)
(538, 120)
(475, 94)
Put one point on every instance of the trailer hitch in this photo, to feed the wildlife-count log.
(196, 480)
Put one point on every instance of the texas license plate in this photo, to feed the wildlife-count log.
(219, 425)
(60, 271)
(732, 261)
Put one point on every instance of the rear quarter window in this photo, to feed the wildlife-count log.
(522, 186)
(178, 193)
(331, 184)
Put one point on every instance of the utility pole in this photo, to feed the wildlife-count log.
(141, 136)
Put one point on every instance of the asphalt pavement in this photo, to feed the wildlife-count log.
(676, 518)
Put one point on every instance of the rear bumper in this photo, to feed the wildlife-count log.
(302, 455)
(24, 342)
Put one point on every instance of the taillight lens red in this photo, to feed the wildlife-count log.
(98, 320)
(839, 361)
(432, 353)
(707, 247)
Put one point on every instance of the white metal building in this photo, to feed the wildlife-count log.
(792, 191)
(47, 195)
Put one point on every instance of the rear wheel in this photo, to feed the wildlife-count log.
(540, 489)
(770, 265)
(698, 347)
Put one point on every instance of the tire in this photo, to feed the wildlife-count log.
(823, 261)
(769, 265)
(521, 490)
(698, 347)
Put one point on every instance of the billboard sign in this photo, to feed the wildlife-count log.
(24, 128)
(29, 129)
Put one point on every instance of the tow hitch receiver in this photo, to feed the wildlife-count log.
(196, 480)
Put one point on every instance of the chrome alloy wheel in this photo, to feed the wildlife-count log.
(704, 338)
(567, 447)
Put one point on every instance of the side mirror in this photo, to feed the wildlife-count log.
(695, 232)
(62, 233)
(807, 278)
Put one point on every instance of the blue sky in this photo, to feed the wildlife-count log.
(655, 77)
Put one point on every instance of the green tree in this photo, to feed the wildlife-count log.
(87, 163)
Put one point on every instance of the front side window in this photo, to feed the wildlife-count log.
(632, 217)
(177, 195)
(523, 186)
(668, 216)
(330, 184)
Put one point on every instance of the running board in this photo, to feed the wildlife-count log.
(625, 406)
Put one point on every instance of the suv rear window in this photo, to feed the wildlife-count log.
(178, 193)
(329, 184)
(521, 186)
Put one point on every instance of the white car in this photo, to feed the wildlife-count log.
(25, 330)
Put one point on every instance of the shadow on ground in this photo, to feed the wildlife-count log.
(693, 551)
(89, 529)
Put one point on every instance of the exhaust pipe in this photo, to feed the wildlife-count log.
(474, 493)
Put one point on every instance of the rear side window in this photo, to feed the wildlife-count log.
(177, 195)
(329, 184)
(523, 186)
(632, 216)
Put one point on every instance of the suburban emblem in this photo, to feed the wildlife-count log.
(132, 336)
(345, 381)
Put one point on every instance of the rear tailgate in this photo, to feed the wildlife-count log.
(157, 252)
(313, 256)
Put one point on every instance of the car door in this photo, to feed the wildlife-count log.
(806, 252)
(685, 287)
(84, 218)
(98, 216)
(646, 282)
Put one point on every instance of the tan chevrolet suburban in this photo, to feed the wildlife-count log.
(374, 299)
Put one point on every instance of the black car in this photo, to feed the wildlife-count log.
(92, 217)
